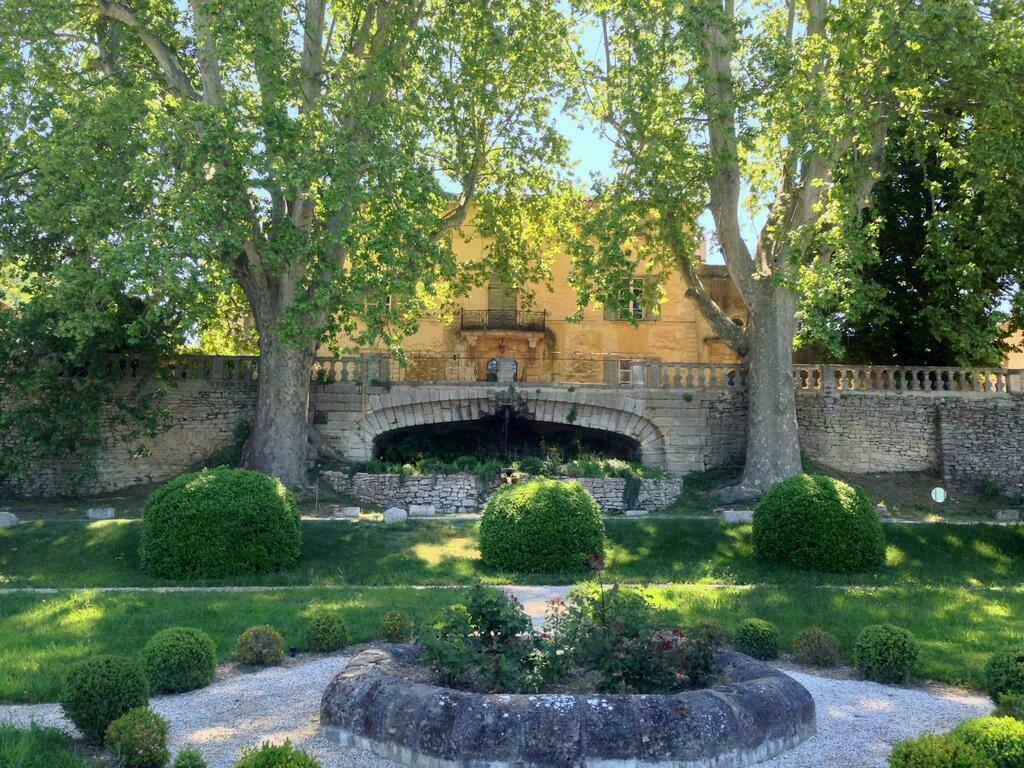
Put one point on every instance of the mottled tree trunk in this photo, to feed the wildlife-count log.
(278, 442)
(773, 448)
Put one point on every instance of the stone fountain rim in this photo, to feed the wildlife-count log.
(757, 712)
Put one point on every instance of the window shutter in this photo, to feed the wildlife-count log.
(654, 312)
(611, 371)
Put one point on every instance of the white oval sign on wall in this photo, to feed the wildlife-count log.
(938, 495)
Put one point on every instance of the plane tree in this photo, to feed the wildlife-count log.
(779, 113)
(318, 154)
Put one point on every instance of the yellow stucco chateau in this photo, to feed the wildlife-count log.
(493, 328)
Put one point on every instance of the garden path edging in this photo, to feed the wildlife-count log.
(758, 713)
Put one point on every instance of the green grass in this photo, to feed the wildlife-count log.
(38, 748)
(677, 549)
(957, 628)
(41, 635)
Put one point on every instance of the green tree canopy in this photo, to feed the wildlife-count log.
(319, 154)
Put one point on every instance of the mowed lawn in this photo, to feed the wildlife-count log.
(42, 635)
(338, 553)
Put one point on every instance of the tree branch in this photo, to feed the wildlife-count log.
(312, 52)
(724, 188)
(720, 322)
(209, 63)
(167, 59)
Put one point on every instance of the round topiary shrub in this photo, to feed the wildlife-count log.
(1001, 739)
(189, 758)
(541, 526)
(261, 646)
(138, 739)
(396, 627)
(813, 521)
(1004, 673)
(816, 646)
(885, 653)
(281, 756)
(326, 632)
(217, 523)
(757, 638)
(99, 690)
(1010, 705)
(179, 659)
(930, 751)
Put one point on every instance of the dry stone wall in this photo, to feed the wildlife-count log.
(203, 416)
(449, 494)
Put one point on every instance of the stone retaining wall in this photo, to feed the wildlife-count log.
(756, 713)
(465, 493)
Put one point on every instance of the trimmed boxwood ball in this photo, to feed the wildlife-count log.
(885, 653)
(99, 690)
(218, 523)
(189, 758)
(326, 632)
(138, 739)
(261, 646)
(816, 646)
(814, 521)
(1001, 739)
(757, 638)
(930, 751)
(541, 526)
(179, 659)
(280, 756)
(1004, 673)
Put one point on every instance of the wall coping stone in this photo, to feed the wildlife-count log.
(756, 713)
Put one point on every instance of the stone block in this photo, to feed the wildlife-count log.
(1008, 515)
(636, 512)
(100, 513)
(339, 512)
(737, 516)
(7, 518)
(394, 515)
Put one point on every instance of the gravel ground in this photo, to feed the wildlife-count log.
(857, 722)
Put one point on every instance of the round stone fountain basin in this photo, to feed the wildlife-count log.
(757, 712)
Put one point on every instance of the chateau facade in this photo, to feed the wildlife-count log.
(532, 340)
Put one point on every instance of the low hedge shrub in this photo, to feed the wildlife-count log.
(279, 756)
(816, 646)
(138, 739)
(757, 638)
(189, 758)
(820, 523)
(1010, 705)
(326, 632)
(541, 526)
(179, 659)
(1004, 673)
(99, 690)
(260, 646)
(218, 523)
(886, 653)
(1001, 739)
(930, 751)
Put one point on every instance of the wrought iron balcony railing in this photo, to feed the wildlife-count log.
(501, 320)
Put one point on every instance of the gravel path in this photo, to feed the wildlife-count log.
(857, 722)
